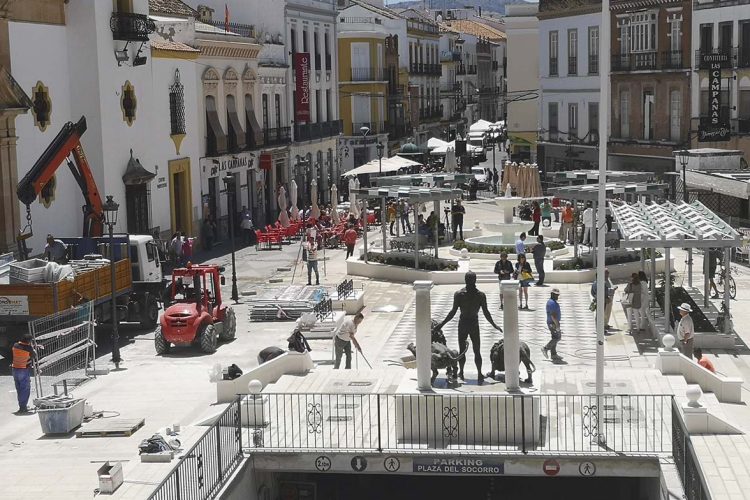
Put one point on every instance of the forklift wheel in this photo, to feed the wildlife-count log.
(208, 338)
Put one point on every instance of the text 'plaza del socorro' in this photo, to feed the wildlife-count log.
(375, 249)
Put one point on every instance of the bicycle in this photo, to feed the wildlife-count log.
(730, 280)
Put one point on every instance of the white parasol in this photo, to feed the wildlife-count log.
(315, 210)
(450, 160)
(283, 217)
(353, 209)
(334, 203)
(293, 196)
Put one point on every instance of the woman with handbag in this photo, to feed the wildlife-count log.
(645, 300)
(632, 302)
(524, 275)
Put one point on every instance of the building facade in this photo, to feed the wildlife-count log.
(569, 85)
(522, 30)
(650, 82)
(722, 27)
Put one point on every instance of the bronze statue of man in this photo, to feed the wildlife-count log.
(469, 299)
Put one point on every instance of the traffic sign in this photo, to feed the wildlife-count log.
(551, 467)
(359, 463)
(323, 463)
(391, 464)
(587, 468)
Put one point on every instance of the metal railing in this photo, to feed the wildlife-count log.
(344, 289)
(739, 57)
(323, 309)
(463, 423)
(360, 20)
(693, 481)
(246, 30)
(572, 65)
(593, 64)
(206, 467)
(276, 136)
(366, 74)
(131, 27)
(320, 130)
(651, 60)
(553, 66)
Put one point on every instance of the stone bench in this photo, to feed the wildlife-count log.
(267, 373)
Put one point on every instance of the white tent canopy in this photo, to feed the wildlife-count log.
(392, 164)
(441, 150)
(480, 126)
(434, 142)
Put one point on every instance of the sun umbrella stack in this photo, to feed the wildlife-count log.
(283, 217)
(315, 210)
(334, 203)
(293, 197)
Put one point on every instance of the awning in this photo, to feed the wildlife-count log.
(441, 150)
(520, 141)
(392, 164)
(672, 225)
(434, 142)
(135, 174)
(480, 126)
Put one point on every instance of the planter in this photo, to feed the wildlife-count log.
(400, 274)
(616, 271)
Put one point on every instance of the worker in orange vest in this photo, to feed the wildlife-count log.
(23, 356)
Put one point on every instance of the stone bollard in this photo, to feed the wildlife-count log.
(423, 310)
(512, 344)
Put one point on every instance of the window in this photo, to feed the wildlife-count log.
(216, 140)
(293, 39)
(316, 49)
(572, 121)
(593, 121)
(360, 112)
(648, 114)
(593, 50)
(573, 52)
(304, 41)
(264, 108)
(252, 127)
(318, 107)
(675, 115)
(744, 44)
(553, 49)
(327, 49)
(707, 37)
(42, 108)
(277, 109)
(552, 118)
(725, 37)
(638, 33)
(236, 136)
(625, 114)
(123, 6)
(329, 113)
(743, 115)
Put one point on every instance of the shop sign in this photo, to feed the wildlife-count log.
(11, 305)
(213, 167)
(458, 466)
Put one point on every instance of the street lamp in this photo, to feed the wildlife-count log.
(683, 155)
(380, 149)
(110, 209)
(229, 185)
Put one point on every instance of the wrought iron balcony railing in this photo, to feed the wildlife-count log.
(131, 27)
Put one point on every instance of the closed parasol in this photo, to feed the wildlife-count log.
(293, 197)
(283, 216)
(315, 210)
(334, 203)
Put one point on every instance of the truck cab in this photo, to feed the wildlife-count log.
(144, 259)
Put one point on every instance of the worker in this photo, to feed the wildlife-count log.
(703, 361)
(23, 356)
(55, 250)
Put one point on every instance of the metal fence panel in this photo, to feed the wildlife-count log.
(65, 348)
(693, 481)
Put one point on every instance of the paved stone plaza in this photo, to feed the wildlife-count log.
(175, 388)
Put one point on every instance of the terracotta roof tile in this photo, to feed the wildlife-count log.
(173, 46)
(173, 7)
(474, 28)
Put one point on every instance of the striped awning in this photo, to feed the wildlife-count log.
(683, 225)
(590, 192)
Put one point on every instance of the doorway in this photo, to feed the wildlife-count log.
(180, 196)
(137, 198)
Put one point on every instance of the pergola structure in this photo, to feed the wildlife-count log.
(570, 177)
(629, 191)
(414, 195)
(434, 179)
(669, 225)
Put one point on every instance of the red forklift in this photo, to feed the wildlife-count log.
(197, 316)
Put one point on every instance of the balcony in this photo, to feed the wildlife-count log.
(672, 59)
(423, 26)
(131, 27)
(360, 20)
(321, 130)
(461, 70)
(739, 57)
(246, 30)
(594, 64)
(447, 56)
(636, 61)
(277, 136)
(375, 128)
(553, 66)
(572, 66)
(366, 74)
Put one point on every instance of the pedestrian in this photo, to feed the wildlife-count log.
(312, 260)
(632, 303)
(645, 300)
(588, 225)
(566, 228)
(504, 271)
(520, 244)
(546, 213)
(539, 251)
(536, 217)
(553, 323)
(350, 239)
(187, 248)
(712, 262)
(525, 277)
(175, 249)
(457, 219)
(704, 362)
(247, 226)
(391, 213)
(55, 250)
(344, 338)
(405, 224)
(23, 357)
(686, 330)
(609, 292)
(556, 210)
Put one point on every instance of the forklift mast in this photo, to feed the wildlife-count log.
(67, 144)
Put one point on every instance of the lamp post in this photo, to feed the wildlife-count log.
(383, 217)
(683, 155)
(110, 209)
(229, 185)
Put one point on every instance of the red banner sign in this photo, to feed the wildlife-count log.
(302, 73)
(266, 161)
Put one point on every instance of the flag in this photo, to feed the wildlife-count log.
(226, 17)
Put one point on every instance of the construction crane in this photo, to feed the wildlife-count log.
(66, 147)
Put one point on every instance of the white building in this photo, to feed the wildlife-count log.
(126, 105)
(568, 85)
(522, 31)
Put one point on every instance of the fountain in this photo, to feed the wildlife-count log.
(508, 228)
